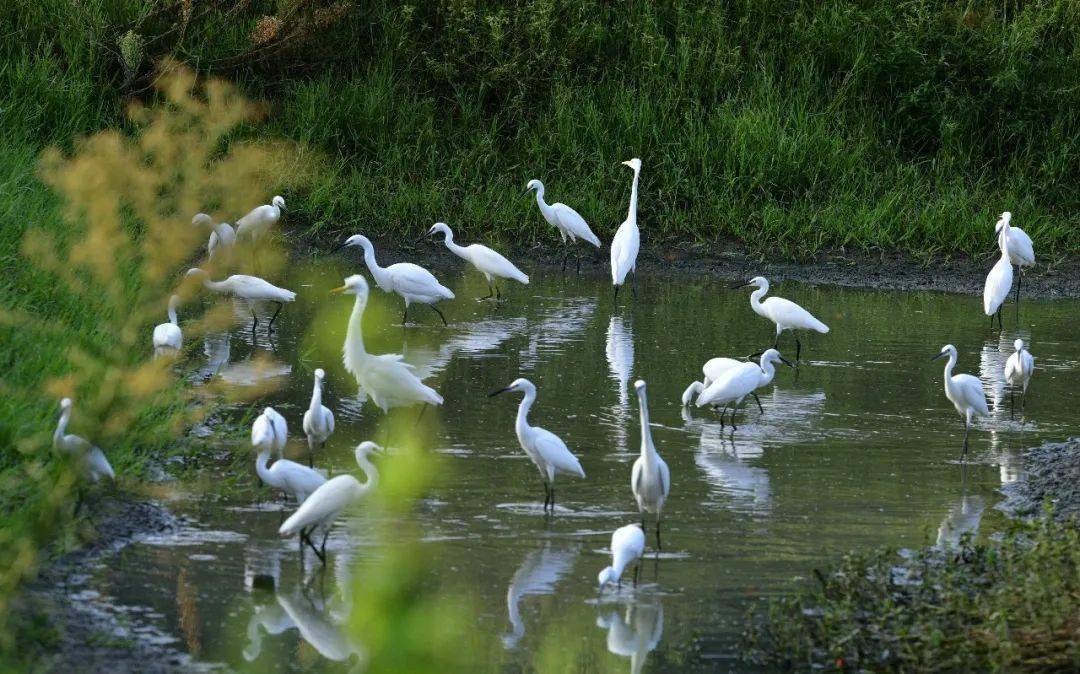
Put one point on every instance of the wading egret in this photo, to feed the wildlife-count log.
(167, 336)
(738, 382)
(88, 459)
(386, 377)
(712, 369)
(222, 235)
(1018, 371)
(250, 288)
(568, 221)
(999, 280)
(546, 449)
(260, 219)
(411, 281)
(784, 313)
(326, 504)
(268, 434)
(691, 393)
(650, 479)
(490, 263)
(627, 545)
(964, 391)
(318, 420)
(627, 240)
(1021, 250)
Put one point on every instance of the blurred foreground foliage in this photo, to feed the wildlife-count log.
(1008, 605)
(98, 264)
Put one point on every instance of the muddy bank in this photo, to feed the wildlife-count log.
(886, 271)
(1051, 477)
(89, 632)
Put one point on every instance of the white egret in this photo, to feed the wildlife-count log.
(738, 382)
(627, 545)
(547, 451)
(325, 504)
(89, 460)
(387, 378)
(411, 281)
(222, 235)
(999, 280)
(712, 369)
(268, 434)
(964, 391)
(318, 420)
(784, 313)
(650, 479)
(568, 221)
(168, 336)
(627, 240)
(260, 219)
(1021, 250)
(692, 392)
(489, 263)
(1018, 371)
(250, 288)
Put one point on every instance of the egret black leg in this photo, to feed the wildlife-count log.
(760, 408)
(637, 572)
(798, 349)
(577, 254)
(1012, 403)
(491, 293)
(1001, 323)
(498, 295)
(421, 415)
(436, 310)
(322, 552)
(658, 545)
(254, 321)
(616, 293)
(967, 429)
(405, 315)
(1019, 280)
(776, 342)
(274, 317)
(633, 284)
(552, 499)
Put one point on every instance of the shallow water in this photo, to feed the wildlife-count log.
(856, 449)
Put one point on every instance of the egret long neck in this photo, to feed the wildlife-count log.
(172, 311)
(261, 467)
(354, 335)
(648, 451)
(768, 371)
(631, 214)
(454, 248)
(755, 300)
(948, 372)
(372, 265)
(216, 286)
(544, 208)
(316, 398)
(371, 473)
(61, 427)
(522, 423)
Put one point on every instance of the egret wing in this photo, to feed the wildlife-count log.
(412, 279)
(554, 451)
(571, 221)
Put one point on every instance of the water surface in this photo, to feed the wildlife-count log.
(857, 449)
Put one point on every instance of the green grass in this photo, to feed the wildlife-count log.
(1007, 605)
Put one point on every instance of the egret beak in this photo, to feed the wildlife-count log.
(740, 285)
(940, 355)
(495, 393)
(785, 361)
(755, 355)
(338, 290)
(337, 248)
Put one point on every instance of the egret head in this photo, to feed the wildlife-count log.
(357, 240)
(202, 220)
(1003, 220)
(65, 404)
(534, 184)
(197, 273)
(947, 350)
(521, 385)
(757, 281)
(773, 356)
(607, 575)
(634, 163)
(639, 386)
(366, 448)
(279, 202)
(320, 373)
(354, 285)
(441, 227)
(1018, 345)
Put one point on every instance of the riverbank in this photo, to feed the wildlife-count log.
(1007, 603)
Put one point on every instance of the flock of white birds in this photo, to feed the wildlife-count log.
(390, 382)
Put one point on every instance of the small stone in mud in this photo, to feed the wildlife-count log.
(263, 581)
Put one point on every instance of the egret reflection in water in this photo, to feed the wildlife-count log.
(634, 630)
(217, 347)
(539, 572)
(963, 518)
(620, 355)
(557, 328)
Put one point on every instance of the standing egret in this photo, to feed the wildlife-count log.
(318, 420)
(250, 288)
(627, 545)
(712, 369)
(386, 377)
(222, 235)
(1021, 250)
(964, 391)
(1018, 371)
(568, 221)
(411, 281)
(89, 460)
(999, 280)
(624, 247)
(490, 263)
(260, 219)
(784, 313)
(547, 451)
(268, 434)
(325, 504)
(738, 382)
(650, 480)
(167, 336)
